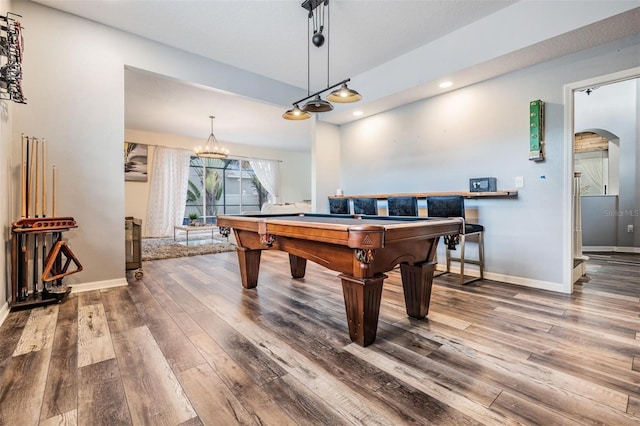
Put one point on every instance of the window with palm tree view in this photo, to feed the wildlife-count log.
(222, 186)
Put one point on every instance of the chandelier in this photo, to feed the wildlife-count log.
(212, 149)
(314, 102)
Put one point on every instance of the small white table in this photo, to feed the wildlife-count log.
(196, 228)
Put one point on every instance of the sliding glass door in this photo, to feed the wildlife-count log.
(222, 187)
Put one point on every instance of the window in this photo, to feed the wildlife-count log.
(597, 158)
(594, 168)
(222, 187)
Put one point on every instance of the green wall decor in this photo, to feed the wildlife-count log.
(536, 130)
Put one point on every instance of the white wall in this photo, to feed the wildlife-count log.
(637, 176)
(482, 130)
(74, 79)
(294, 169)
(9, 190)
(326, 165)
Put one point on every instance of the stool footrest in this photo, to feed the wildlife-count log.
(471, 280)
(471, 261)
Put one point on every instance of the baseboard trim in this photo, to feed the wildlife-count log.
(611, 249)
(75, 288)
(509, 279)
(98, 285)
(4, 312)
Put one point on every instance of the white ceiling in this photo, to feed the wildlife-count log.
(367, 39)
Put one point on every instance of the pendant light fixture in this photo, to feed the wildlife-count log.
(212, 149)
(344, 95)
(315, 103)
(296, 113)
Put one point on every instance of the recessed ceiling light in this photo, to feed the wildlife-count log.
(357, 113)
(446, 84)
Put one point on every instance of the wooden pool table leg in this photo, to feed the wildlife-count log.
(362, 302)
(249, 261)
(298, 266)
(416, 282)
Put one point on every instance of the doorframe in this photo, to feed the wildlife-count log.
(569, 132)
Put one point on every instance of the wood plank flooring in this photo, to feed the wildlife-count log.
(187, 345)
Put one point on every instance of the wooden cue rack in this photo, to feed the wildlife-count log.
(39, 256)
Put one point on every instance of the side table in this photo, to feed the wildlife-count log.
(196, 228)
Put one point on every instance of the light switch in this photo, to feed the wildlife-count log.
(519, 181)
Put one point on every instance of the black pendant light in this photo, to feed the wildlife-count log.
(315, 103)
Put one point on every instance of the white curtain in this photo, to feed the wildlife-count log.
(268, 173)
(168, 191)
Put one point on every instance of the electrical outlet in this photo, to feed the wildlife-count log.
(519, 181)
(629, 228)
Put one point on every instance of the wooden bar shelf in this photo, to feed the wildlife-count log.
(511, 193)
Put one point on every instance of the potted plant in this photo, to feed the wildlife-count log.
(193, 219)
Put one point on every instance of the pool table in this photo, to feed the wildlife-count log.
(362, 248)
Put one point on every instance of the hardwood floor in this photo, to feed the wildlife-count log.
(187, 345)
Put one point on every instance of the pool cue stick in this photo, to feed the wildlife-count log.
(44, 256)
(58, 260)
(30, 192)
(33, 190)
(26, 180)
(15, 270)
(17, 258)
(36, 241)
(23, 205)
(44, 182)
(53, 191)
(24, 285)
(24, 241)
(35, 180)
(30, 169)
(36, 237)
(44, 208)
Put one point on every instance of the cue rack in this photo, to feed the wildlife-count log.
(40, 258)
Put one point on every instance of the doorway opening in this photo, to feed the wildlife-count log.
(572, 215)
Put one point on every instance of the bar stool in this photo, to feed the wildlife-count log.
(365, 206)
(453, 206)
(402, 206)
(339, 205)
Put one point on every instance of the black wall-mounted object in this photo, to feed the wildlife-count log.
(484, 184)
(310, 5)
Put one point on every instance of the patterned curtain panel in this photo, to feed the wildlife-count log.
(268, 173)
(168, 191)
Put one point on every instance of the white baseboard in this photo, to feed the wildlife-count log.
(98, 285)
(509, 279)
(75, 288)
(611, 249)
(4, 312)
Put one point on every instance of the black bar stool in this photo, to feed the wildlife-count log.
(402, 206)
(365, 206)
(339, 205)
(453, 206)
